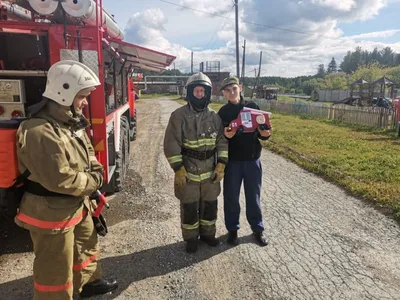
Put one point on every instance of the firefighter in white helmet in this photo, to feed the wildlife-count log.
(197, 150)
(53, 148)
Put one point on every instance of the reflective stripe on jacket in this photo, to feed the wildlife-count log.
(199, 131)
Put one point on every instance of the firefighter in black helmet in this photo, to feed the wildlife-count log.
(197, 151)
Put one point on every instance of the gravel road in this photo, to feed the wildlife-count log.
(324, 244)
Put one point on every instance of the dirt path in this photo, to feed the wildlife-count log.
(324, 243)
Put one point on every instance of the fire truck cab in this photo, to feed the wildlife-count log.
(36, 34)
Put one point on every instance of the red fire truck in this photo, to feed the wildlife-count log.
(34, 34)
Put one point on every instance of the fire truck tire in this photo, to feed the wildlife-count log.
(133, 129)
(9, 203)
(125, 125)
(122, 157)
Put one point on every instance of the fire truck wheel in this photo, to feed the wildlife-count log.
(125, 125)
(122, 157)
(9, 202)
(133, 129)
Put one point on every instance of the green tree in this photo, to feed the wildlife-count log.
(394, 74)
(376, 56)
(321, 71)
(312, 84)
(345, 64)
(397, 60)
(370, 73)
(336, 81)
(355, 59)
(332, 67)
(387, 56)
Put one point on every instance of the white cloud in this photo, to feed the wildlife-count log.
(317, 18)
(377, 34)
(286, 52)
(147, 25)
(344, 5)
(209, 6)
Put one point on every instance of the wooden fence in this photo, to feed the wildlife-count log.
(369, 116)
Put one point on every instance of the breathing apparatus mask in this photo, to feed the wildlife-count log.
(199, 79)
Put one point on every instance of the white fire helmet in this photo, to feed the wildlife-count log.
(199, 79)
(66, 78)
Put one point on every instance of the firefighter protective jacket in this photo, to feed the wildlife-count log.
(199, 132)
(59, 156)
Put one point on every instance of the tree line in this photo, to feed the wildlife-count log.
(370, 65)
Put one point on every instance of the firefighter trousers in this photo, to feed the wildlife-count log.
(199, 208)
(64, 262)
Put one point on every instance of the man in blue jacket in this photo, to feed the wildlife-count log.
(243, 165)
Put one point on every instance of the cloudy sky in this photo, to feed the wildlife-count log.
(294, 35)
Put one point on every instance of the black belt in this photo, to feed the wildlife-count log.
(39, 190)
(200, 155)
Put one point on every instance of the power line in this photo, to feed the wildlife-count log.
(216, 30)
(217, 39)
(248, 22)
(252, 70)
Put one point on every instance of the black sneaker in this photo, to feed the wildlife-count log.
(191, 246)
(98, 287)
(210, 241)
(232, 238)
(261, 239)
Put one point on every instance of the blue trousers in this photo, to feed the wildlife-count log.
(250, 172)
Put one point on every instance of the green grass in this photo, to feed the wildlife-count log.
(215, 106)
(364, 161)
(286, 98)
(150, 96)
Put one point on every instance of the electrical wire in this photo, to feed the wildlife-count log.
(217, 30)
(251, 23)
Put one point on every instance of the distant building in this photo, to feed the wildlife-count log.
(266, 92)
(216, 79)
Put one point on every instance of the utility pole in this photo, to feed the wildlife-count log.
(237, 38)
(191, 66)
(258, 77)
(259, 67)
(243, 61)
